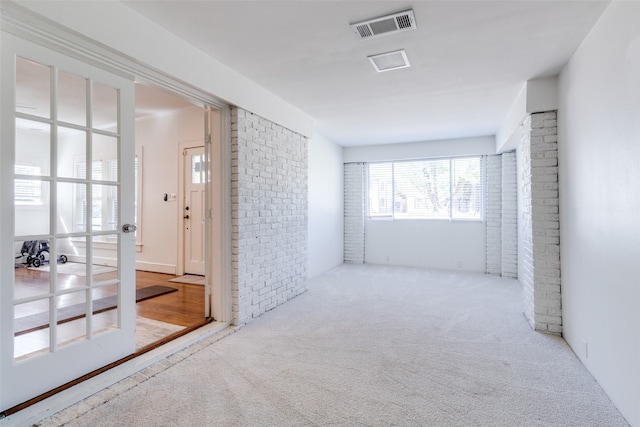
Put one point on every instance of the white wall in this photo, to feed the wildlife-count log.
(442, 244)
(160, 136)
(599, 148)
(326, 210)
(439, 244)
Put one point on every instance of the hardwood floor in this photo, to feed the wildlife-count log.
(184, 308)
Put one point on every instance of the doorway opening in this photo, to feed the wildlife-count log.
(170, 179)
(173, 170)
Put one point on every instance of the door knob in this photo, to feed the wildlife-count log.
(129, 228)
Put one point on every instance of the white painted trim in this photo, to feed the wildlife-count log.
(156, 267)
(222, 304)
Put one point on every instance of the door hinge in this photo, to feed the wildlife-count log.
(208, 214)
(208, 139)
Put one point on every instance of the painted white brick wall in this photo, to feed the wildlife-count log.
(539, 159)
(269, 215)
(526, 256)
(493, 215)
(501, 215)
(354, 212)
(509, 267)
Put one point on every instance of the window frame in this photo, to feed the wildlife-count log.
(450, 217)
(29, 177)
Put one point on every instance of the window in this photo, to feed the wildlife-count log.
(426, 189)
(380, 189)
(104, 206)
(104, 209)
(27, 192)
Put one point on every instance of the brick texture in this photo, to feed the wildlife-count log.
(354, 212)
(269, 215)
(509, 246)
(539, 159)
(501, 215)
(493, 215)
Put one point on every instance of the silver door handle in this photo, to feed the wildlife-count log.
(129, 228)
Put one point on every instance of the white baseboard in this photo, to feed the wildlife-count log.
(153, 267)
(156, 267)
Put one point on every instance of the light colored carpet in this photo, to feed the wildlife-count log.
(189, 278)
(368, 345)
(75, 268)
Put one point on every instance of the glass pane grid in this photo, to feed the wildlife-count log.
(67, 194)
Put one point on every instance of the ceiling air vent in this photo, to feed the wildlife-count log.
(385, 25)
(389, 61)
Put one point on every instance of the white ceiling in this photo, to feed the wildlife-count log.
(468, 58)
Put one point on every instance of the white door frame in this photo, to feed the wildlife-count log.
(218, 205)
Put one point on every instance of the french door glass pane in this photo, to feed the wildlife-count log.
(33, 142)
(29, 281)
(71, 311)
(105, 152)
(71, 213)
(31, 211)
(31, 328)
(105, 107)
(72, 153)
(100, 270)
(72, 99)
(104, 208)
(33, 88)
(70, 272)
(108, 319)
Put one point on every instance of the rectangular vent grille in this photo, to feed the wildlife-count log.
(404, 21)
(385, 25)
(364, 31)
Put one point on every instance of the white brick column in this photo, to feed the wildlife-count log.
(509, 235)
(539, 158)
(493, 215)
(269, 215)
(501, 215)
(354, 212)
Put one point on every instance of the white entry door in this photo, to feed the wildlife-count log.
(194, 209)
(67, 300)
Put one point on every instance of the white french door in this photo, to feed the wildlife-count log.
(67, 294)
